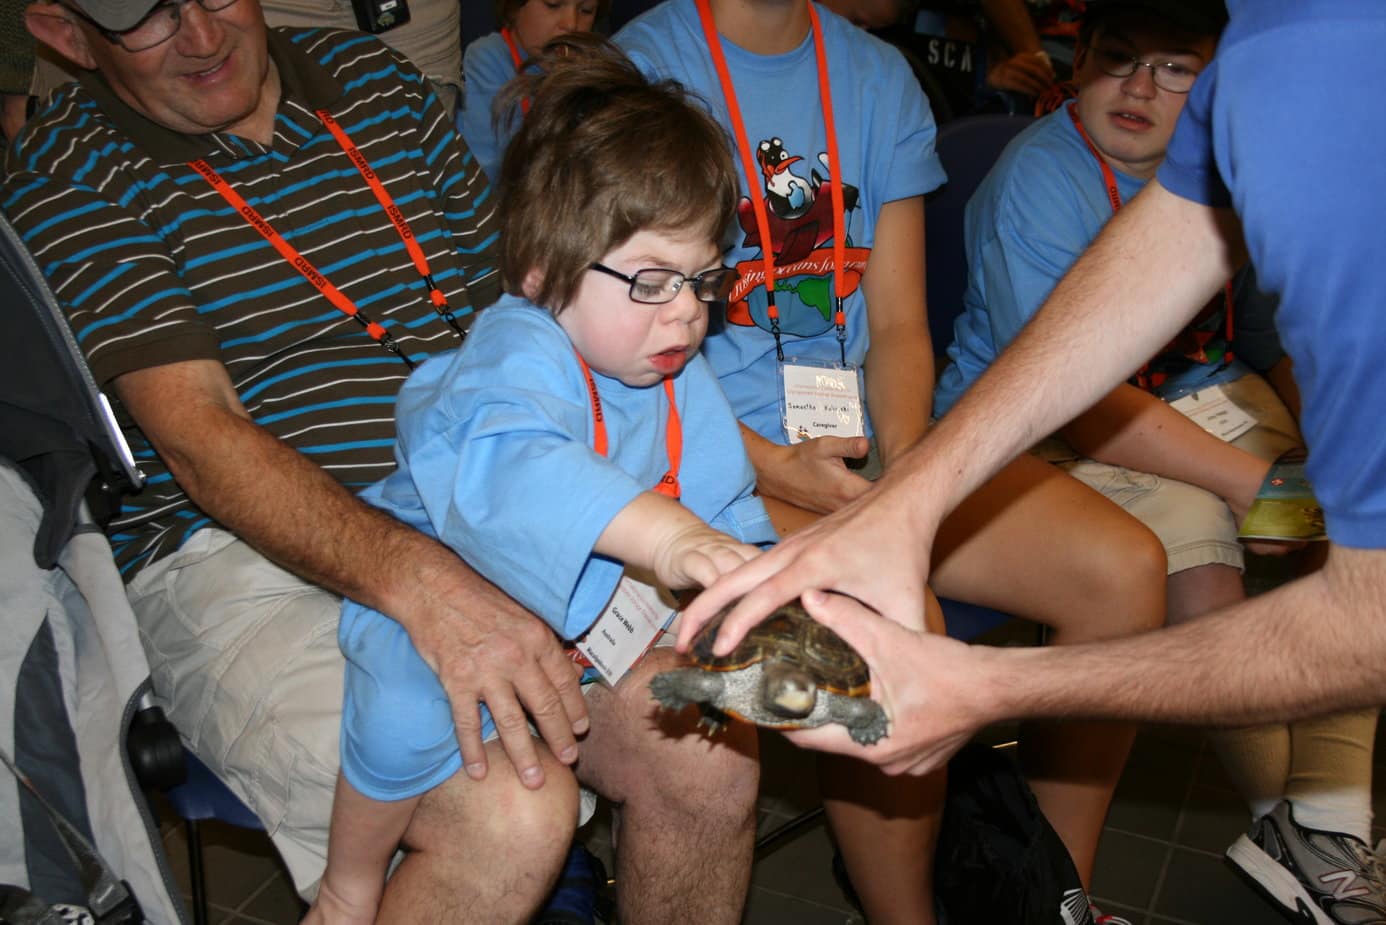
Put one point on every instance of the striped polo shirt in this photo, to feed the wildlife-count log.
(153, 266)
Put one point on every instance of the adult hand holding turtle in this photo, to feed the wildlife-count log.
(1309, 647)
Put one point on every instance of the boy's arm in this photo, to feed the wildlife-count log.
(1132, 428)
(658, 533)
(900, 361)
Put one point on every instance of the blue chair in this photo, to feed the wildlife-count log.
(967, 147)
(202, 796)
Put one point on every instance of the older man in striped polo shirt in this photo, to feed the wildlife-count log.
(256, 233)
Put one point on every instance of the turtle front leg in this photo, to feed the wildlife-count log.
(678, 688)
(865, 720)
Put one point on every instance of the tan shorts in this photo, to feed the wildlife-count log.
(245, 662)
(1195, 525)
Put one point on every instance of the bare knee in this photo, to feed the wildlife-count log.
(1123, 577)
(499, 813)
(646, 756)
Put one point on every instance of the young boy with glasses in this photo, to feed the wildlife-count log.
(1308, 784)
(577, 433)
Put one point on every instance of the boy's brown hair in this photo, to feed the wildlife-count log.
(506, 9)
(603, 154)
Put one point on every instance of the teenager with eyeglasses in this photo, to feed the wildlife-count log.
(1143, 445)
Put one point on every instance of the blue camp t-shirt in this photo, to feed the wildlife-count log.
(885, 137)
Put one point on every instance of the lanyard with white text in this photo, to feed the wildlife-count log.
(519, 62)
(748, 164)
(1114, 199)
(305, 267)
(668, 483)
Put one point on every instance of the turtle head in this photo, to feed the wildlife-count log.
(787, 690)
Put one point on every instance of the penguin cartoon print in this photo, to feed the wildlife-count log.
(800, 213)
(786, 195)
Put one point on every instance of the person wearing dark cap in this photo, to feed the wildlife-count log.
(1262, 164)
(1142, 445)
(255, 235)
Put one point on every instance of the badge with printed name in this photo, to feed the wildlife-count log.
(1214, 410)
(632, 622)
(819, 399)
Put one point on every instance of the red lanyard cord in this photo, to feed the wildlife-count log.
(748, 164)
(825, 96)
(299, 262)
(517, 59)
(1114, 199)
(382, 196)
(437, 299)
(668, 483)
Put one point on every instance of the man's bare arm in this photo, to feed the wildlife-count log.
(1155, 263)
(1314, 646)
(482, 644)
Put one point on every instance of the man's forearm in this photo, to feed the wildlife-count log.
(1310, 647)
(294, 513)
(278, 500)
(1157, 261)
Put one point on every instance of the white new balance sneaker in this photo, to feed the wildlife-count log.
(1314, 877)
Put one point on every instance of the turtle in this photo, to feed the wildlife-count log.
(789, 672)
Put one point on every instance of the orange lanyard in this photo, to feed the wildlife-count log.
(1114, 199)
(305, 267)
(519, 62)
(748, 164)
(668, 483)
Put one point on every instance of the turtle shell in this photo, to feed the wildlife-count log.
(790, 635)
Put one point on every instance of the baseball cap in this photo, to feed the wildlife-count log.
(116, 15)
(1204, 17)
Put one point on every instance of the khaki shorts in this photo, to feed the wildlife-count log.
(1195, 525)
(245, 662)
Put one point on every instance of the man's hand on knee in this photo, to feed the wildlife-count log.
(488, 649)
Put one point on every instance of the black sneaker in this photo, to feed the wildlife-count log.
(1314, 877)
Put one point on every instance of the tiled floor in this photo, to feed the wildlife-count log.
(1160, 861)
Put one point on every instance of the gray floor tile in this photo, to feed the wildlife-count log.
(767, 907)
(1212, 820)
(802, 867)
(1128, 869)
(1157, 777)
(1199, 888)
(277, 902)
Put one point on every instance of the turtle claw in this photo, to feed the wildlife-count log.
(712, 721)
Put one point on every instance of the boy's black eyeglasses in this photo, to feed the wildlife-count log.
(162, 24)
(655, 286)
(1168, 75)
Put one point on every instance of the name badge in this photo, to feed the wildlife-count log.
(1215, 411)
(631, 623)
(820, 399)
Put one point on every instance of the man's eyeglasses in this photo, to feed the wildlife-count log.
(162, 24)
(655, 286)
(1168, 75)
